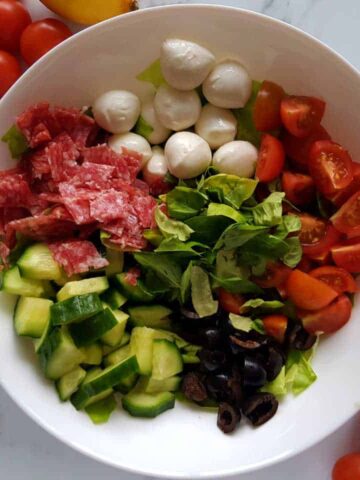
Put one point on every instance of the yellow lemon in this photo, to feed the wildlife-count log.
(88, 12)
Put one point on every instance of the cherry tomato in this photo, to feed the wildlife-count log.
(275, 326)
(305, 265)
(340, 198)
(307, 292)
(347, 218)
(347, 257)
(267, 107)
(10, 71)
(336, 277)
(300, 115)
(330, 166)
(347, 468)
(230, 302)
(271, 159)
(14, 18)
(328, 319)
(317, 236)
(299, 188)
(298, 149)
(40, 37)
(275, 275)
(156, 183)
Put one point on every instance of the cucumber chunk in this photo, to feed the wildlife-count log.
(127, 383)
(152, 385)
(92, 329)
(116, 262)
(106, 349)
(114, 336)
(69, 383)
(153, 316)
(103, 381)
(135, 293)
(93, 354)
(59, 355)
(148, 404)
(173, 337)
(37, 262)
(15, 284)
(141, 344)
(31, 316)
(118, 356)
(39, 342)
(166, 361)
(76, 309)
(113, 298)
(81, 287)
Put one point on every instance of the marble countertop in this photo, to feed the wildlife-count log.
(26, 451)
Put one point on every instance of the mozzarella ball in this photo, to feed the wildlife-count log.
(184, 64)
(159, 133)
(228, 85)
(156, 167)
(175, 109)
(216, 125)
(131, 141)
(236, 158)
(187, 155)
(116, 111)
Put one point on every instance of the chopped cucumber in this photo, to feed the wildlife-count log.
(93, 354)
(116, 262)
(92, 329)
(69, 383)
(39, 342)
(75, 309)
(141, 343)
(127, 383)
(106, 349)
(173, 337)
(152, 385)
(81, 287)
(15, 284)
(153, 316)
(91, 374)
(148, 404)
(31, 316)
(135, 293)
(113, 298)
(65, 279)
(166, 361)
(59, 355)
(114, 336)
(103, 381)
(118, 356)
(37, 262)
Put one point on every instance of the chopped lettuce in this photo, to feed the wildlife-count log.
(237, 235)
(260, 304)
(100, 411)
(288, 224)
(172, 228)
(240, 323)
(184, 202)
(269, 212)
(152, 74)
(278, 386)
(229, 189)
(208, 229)
(153, 235)
(163, 265)
(16, 141)
(173, 244)
(185, 284)
(227, 265)
(236, 284)
(143, 128)
(293, 256)
(201, 294)
(226, 211)
(299, 372)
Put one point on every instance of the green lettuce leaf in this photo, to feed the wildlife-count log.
(299, 372)
(258, 325)
(153, 235)
(16, 141)
(269, 212)
(173, 244)
(172, 228)
(288, 224)
(185, 284)
(229, 189)
(143, 128)
(260, 304)
(240, 323)
(236, 284)
(184, 202)
(208, 229)
(100, 411)
(237, 235)
(265, 245)
(163, 265)
(278, 386)
(226, 211)
(293, 256)
(152, 74)
(201, 294)
(227, 265)
(245, 123)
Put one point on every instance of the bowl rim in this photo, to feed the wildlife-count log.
(37, 65)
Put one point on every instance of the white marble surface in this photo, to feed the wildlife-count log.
(26, 451)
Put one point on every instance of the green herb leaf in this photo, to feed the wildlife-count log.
(229, 189)
(172, 228)
(165, 266)
(269, 212)
(293, 256)
(260, 304)
(143, 128)
(201, 294)
(238, 234)
(152, 74)
(236, 284)
(225, 211)
(184, 202)
(208, 229)
(240, 323)
(100, 411)
(227, 265)
(258, 326)
(173, 244)
(153, 235)
(288, 224)
(16, 141)
(185, 284)
(245, 123)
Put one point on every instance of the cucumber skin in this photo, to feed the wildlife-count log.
(30, 332)
(63, 390)
(92, 329)
(166, 401)
(84, 306)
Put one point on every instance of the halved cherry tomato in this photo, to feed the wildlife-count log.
(40, 37)
(347, 257)
(340, 198)
(300, 115)
(317, 236)
(230, 302)
(336, 277)
(10, 71)
(271, 159)
(299, 188)
(275, 275)
(330, 166)
(305, 265)
(347, 467)
(328, 319)
(347, 218)
(14, 18)
(267, 107)
(308, 292)
(275, 326)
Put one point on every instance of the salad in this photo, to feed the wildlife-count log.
(195, 245)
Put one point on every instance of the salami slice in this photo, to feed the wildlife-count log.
(77, 202)
(110, 205)
(4, 254)
(38, 124)
(62, 154)
(93, 176)
(14, 191)
(77, 256)
(81, 128)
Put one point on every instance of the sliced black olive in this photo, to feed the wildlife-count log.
(212, 360)
(228, 417)
(213, 338)
(273, 362)
(300, 339)
(259, 408)
(190, 314)
(223, 387)
(254, 375)
(241, 342)
(193, 388)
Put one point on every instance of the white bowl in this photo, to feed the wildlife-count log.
(185, 442)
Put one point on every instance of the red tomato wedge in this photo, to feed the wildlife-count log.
(347, 467)
(328, 319)
(299, 188)
(330, 166)
(305, 265)
(275, 326)
(267, 107)
(340, 198)
(337, 278)
(307, 292)
(271, 159)
(347, 257)
(347, 218)
(230, 302)
(275, 276)
(317, 236)
(300, 115)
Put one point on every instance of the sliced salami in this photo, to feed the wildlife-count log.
(62, 154)
(4, 254)
(14, 191)
(38, 124)
(77, 202)
(93, 176)
(81, 128)
(110, 205)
